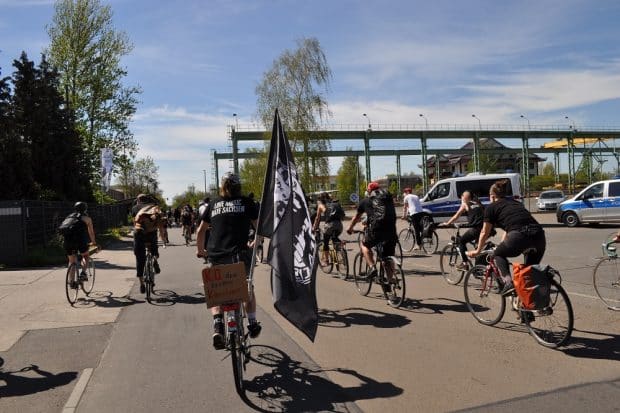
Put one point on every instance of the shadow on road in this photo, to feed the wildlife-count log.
(106, 265)
(607, 347)
(169, 297)
(294, 386)
(360, 316)
(105, 299)
(424, 306)
(21, 385)
(118, 245)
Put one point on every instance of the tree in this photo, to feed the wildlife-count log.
(548, 169)
(252, 172)
(87, 51)
(140, 176)
(296, 85)
(345, 180)
(190, 196)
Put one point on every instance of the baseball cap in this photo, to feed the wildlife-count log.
(373, 186)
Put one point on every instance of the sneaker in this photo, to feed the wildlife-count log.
(142, 287)
(372, 274)
(463, 266)
(508, 289)
(218, 335)
(156, 267)
(83, 276)
(254, 328)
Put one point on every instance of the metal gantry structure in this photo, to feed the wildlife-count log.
(413, 133)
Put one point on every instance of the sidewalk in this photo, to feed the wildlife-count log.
(33, 299)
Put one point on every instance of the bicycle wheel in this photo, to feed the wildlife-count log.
(481, 296)
(71, 292)
(87, 286)
(406, 239)
(430, 244)
(553, 326)
(237, 353)
(342, 262)
(606, 280)
(362, 281)
(448, 261)
(398, 252)
(148, 277)
(325, 267)
(396, 295)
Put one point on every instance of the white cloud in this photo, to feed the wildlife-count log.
(26, 3)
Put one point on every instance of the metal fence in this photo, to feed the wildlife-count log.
(30, 224)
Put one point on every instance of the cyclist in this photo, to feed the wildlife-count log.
(147, 221)
(229, 218)
(381, 225)
(187, 220)
(413, 212)
(471, 206)
(522, 232)
(77, 236)
(333, 214)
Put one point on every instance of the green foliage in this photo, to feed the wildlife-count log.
(296, 85)
(345, 180)
(548, 169)
(393, 188)
(87, 50)
(252, 172)
(191, 197)
(140, 176)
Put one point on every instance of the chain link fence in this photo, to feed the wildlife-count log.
(30, 224)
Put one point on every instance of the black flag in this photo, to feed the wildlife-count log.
(284, 218)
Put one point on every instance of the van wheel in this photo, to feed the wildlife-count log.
(570, 219)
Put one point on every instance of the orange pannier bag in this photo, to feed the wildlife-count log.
(532, 284)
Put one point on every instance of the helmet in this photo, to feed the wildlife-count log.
(373, 186)
(80, 207)
(231, 178)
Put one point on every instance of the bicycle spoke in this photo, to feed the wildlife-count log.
(606, 280)
(551, 327)
(482, 297)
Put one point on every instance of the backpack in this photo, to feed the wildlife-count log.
(72, 226)
(335, 212)
(533, 285)
(383, 212)
(429, 226)
(147, 219)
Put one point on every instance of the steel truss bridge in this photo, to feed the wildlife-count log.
(572, 144)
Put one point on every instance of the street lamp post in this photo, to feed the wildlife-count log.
(236, 121)
(528, 121)
(477, 146)
(204, 172)
(571, 124)
(425, 120)
(478, 119)
(366, 116)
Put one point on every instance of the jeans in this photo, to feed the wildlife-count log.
(140, 238)
(514, 244)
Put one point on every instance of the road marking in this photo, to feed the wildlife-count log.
(587, 296)
(77, 392)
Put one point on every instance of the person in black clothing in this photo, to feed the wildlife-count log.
(142, 236)
(333, 225)
(229, 218)
(475, 217)
(522, 232)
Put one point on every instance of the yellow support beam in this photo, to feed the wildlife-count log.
(562, 143)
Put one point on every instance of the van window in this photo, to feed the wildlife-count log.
(440, 191)
(479, 187)
(614, 189)
(595, 191)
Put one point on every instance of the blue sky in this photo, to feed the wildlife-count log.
(199, 62)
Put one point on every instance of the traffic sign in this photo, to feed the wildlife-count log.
(354, 197)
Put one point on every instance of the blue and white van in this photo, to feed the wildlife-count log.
(444, 198)
(599, 202)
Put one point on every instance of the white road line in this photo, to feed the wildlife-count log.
(77, 392)
(586, 296)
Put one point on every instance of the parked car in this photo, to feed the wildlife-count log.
(599, 202)
(549, 200)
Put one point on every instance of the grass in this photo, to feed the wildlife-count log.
(54, 253)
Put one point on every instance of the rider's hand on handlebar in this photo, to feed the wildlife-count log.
(472, 254)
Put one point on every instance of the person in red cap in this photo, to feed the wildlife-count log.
(381, 219)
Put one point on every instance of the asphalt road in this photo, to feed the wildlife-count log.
(430, 355)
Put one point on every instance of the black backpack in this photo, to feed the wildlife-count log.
(335, 212)
(384, 213)
(72, 226)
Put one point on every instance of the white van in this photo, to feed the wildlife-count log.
(444, 198)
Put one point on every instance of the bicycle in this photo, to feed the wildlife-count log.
(450, 258)
(408, 240)
(336, 257)
(394, 291)
(551, 327)
(148, 277)
(606, 276)
(72, 286)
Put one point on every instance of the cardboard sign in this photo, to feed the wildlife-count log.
(225, 284)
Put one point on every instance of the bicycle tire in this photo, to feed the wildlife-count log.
(398, 252)
(237, 353)
(342, 263)
(327, 269)
(71, 293)
(87, 286)
(396, 297)
(430, 244)
(406, 239)
(362, 282)
(545, 326)
(606, 280)
(448, 260)
(148, 268)
(486, 306)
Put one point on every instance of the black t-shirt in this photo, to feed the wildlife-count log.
(365, 206)
(475, 216)
(230, 220)
(508, 214)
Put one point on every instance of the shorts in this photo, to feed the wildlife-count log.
(72, 246)
(244, 256)
(385, 241)
(332, 231)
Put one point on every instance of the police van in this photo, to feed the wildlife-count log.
(599, 202)
(444, 198)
